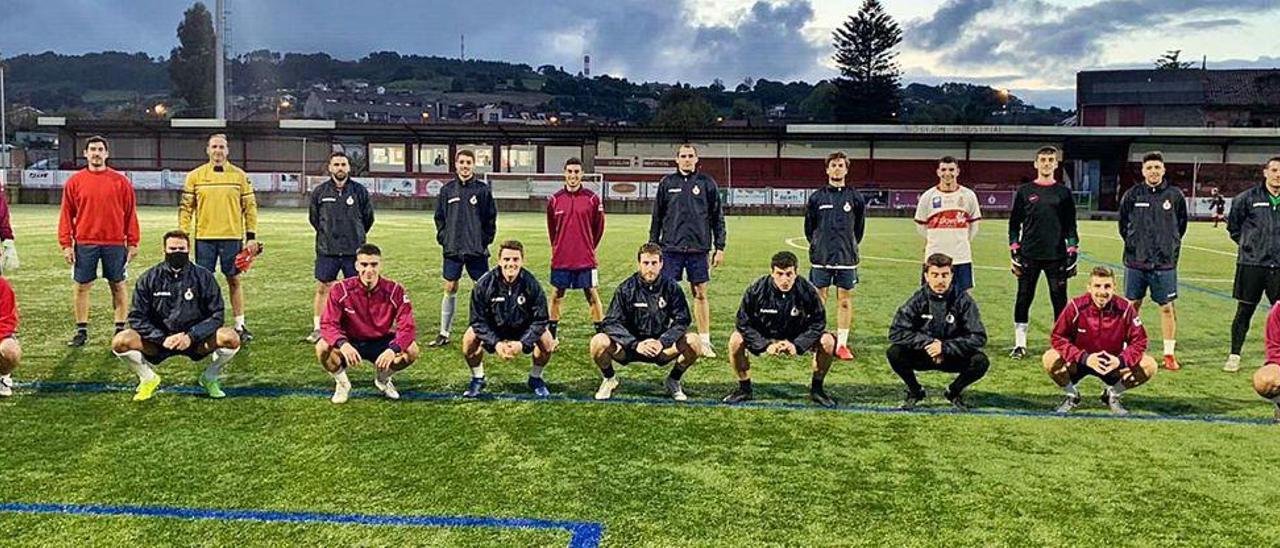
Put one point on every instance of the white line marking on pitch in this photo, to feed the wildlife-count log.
(1188, 246)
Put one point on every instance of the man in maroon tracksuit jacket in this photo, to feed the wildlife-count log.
(1267, 380)
(1101, 335)
(575, 222)
(367, 318)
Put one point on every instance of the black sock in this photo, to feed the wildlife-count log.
(815, 384)
(599, 326)
(677, 372)
(82, 327)
(1240, 325)
(553, 327)
(608, 372)
(120, 327)
(744, 386)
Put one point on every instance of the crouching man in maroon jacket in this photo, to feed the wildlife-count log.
(1101, 335)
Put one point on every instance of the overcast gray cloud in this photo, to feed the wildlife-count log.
(1209, 24)
(947, 25)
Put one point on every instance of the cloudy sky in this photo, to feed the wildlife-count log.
(1033, 47)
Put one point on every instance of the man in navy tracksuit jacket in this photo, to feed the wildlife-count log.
(466, 223)
(508, 318)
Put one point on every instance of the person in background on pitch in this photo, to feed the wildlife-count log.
(947, 216)
(1253, 225)
(687, 223)
(466, 223)
(1099, 335)
(508, 318)
(342, 215)
(10, 350)
(218, 200)
(1042, 238)
(781, 315)
(834, 223)
(938, 329)
(177, 311)
(575, 222)
(648, 322)
(98, 225)
(1266, 381)
(368, 317)
(1153, 220)
(1217, 204)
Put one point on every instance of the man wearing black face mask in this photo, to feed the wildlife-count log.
(177, 310)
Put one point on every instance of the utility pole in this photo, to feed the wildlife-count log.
(219, 71)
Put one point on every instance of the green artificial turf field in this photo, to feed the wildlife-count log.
(650, 472)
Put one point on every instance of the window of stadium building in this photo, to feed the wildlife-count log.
(484, 156)
(433, 158)
(520, 158)
(386, 158)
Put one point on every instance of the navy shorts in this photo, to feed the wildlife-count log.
(211, 253)
(370, 350)
(631, 356)
(192, 352)
(843, 278)
(695, 266)
(112, 258)
(585, 278)
(476, 267)
(1163, 284)
(329, 266)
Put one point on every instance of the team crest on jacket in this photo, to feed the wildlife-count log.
(696, 191)
(662, 303)
(1167, 206)
(1033, 198)
(937, 201)
(473, 200)
(795, 311)
(188, 295)
(847, 207)
(351, 200)
(520, 300)
(951, 318)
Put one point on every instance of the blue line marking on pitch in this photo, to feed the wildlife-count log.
(1122, 268)
(583, 534)
(277, 392)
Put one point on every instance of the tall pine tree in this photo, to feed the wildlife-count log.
(191, 64)
(868, 90)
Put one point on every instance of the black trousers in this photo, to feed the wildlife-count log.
(906, 361)
(1057, 280)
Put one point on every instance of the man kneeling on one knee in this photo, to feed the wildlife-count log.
(177, 311)
(1101, 335)
(781, 315)
(367, 318)
(648, 321)
(1267, 380)
(938, 329)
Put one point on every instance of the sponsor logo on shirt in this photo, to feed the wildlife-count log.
(454, 199)
(328, 200)
(825, 206)
(162, 294)
(768, 310)
(642, 305)
(1033, 198)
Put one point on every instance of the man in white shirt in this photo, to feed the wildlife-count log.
(947, 216)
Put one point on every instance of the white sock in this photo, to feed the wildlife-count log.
(384, 375)
(1071, 389)
(1168, 346)
(477, 372)
(220, 358)
(315, 323)
(536, 371)
(1116, 389)
(1020, 335)
(137, 363)
(448, 304)
(7, 379)
(842, 337)
(340, 376)
(706, 339)
(239, 322)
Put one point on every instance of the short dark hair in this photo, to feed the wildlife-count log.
(686, 145)
(837, 155)
(1153, 156)
(513, 245)
(338, 154)
(783, 260)
(940, 260)
(1102, 272)
(948, 160)
(369, 249)
(649, 249)
(574, 161)
(1047, 150)
(1275, 159)
(468, 153)
(175, 234)
(96, 139)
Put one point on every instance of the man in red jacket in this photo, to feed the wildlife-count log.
(1267, 380)
(575, 222)
(10, 351)
(367, 318)
(1101, 335)
(98, 225)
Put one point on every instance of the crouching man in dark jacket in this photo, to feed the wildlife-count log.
(938, 329)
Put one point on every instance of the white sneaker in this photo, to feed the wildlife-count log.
(6, 386)
(341, 392)
(675, 389)
(387, 387)
(607, 386)
(707, 351)
(1233, 363)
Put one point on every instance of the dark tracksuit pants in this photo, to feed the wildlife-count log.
(905, 362)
